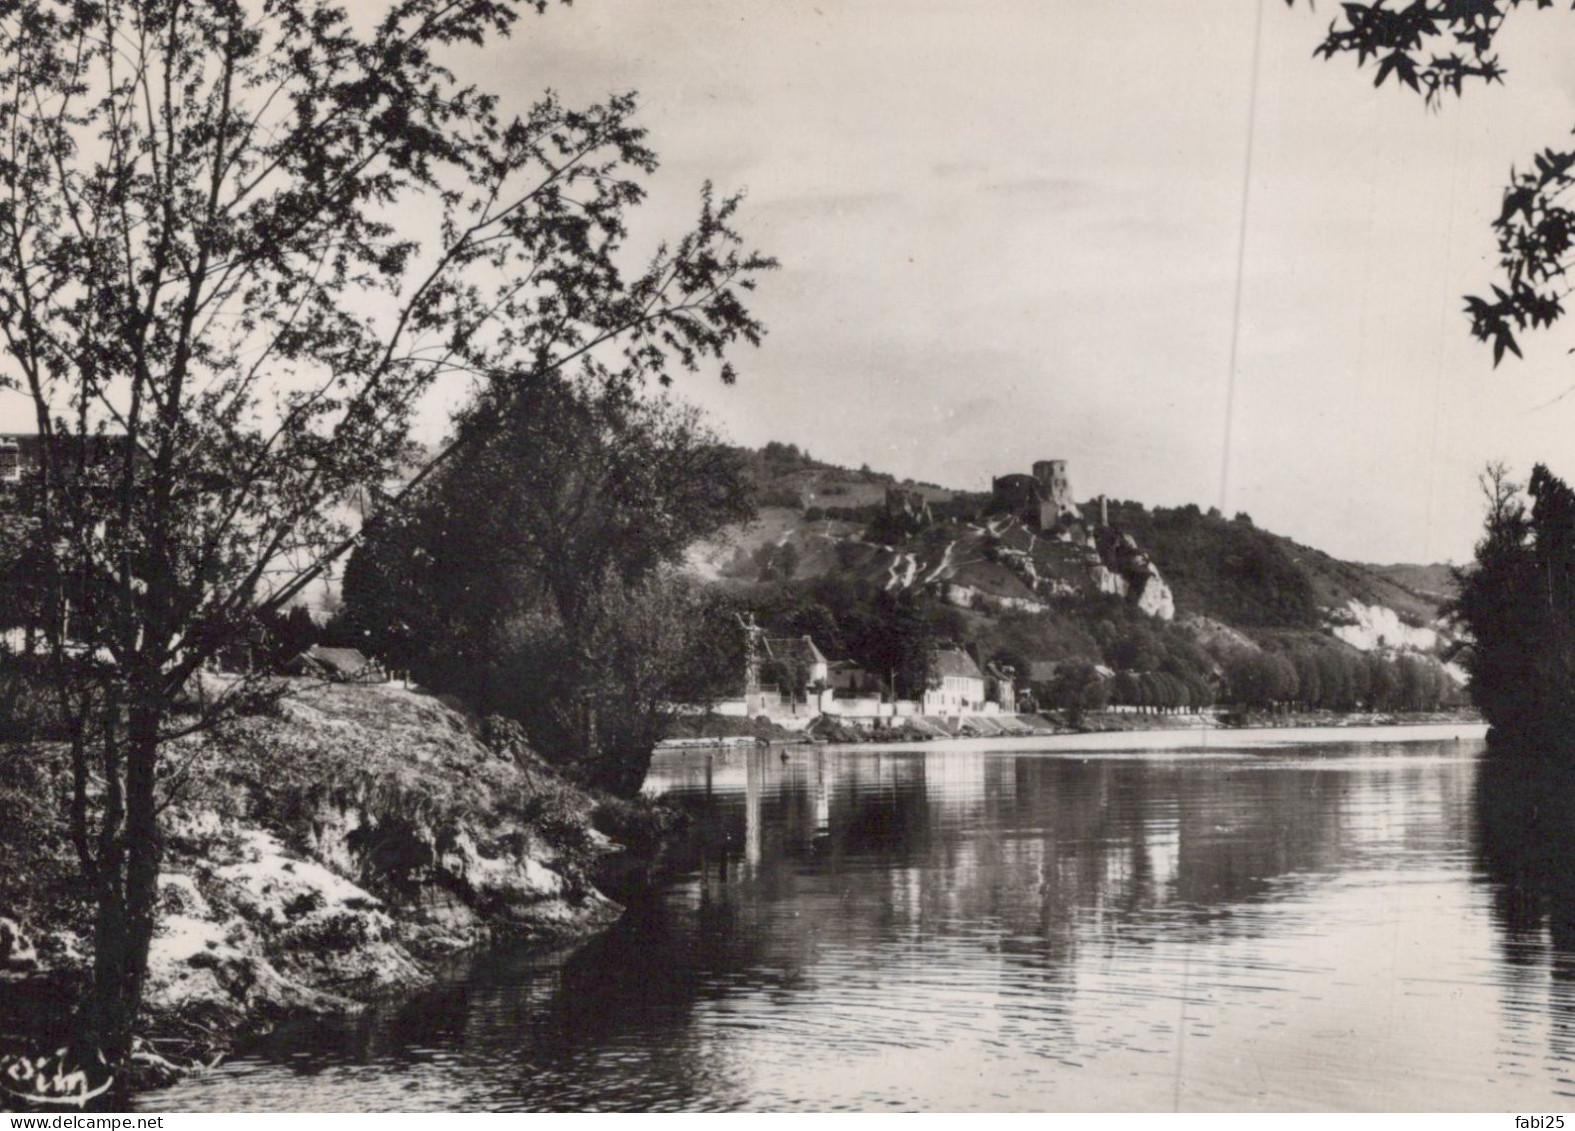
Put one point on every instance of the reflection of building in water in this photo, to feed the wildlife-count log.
(955, 777)
(753, 771)
(1164, 853)
(825, 785)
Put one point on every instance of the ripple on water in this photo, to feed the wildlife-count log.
(966, 929)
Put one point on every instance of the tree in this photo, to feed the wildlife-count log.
(599, 700)
(1077, 689)
(1516, 601)
(893, 635)
(238, 244)
(1383, 679)
(517, 574)
(1437, 48)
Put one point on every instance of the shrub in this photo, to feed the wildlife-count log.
(640, 824)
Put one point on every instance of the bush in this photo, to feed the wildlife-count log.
(777, 495)
(639, 824)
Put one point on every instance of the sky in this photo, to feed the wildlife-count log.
(1159, 241)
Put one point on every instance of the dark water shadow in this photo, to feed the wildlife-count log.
(1525, 847)
(1525, 843)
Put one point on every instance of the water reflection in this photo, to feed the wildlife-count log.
(965, 928)
(1526, 843)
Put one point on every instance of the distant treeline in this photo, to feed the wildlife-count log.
(1158, 665)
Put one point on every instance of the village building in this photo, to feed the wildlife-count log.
(791, 682)
(336, 665)
(957, 686)
(798, 655)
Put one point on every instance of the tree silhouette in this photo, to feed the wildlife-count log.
(238, 245)
(523, 576)
(1518, 603)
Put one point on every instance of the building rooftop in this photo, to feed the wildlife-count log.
(956, 662)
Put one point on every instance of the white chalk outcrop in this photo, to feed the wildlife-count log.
(1370, 627)
(1156, 599)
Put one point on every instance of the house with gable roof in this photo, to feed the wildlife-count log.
(337, 665)
(800, 656)
(957, 686)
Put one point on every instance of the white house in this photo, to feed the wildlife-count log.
(799, 652)
(956, 685)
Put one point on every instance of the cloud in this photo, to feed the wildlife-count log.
(1059, 191)
(812, 205)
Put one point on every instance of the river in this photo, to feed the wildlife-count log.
(1241, 926)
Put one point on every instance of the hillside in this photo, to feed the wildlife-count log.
(820, 523)
(782, 475)
(1435, 583)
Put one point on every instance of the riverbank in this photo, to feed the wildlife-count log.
(332, 851)
(1206, 740)
(731, 733)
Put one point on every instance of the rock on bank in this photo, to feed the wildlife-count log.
(334, 848)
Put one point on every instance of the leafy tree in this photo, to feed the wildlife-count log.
(599, 699)
(897, 638)
(798, 611)
(519, 573)
(1309, 678)
(238, 244)
(1518, 604)
(286, 635)
(1383, 680)
(1260, 679)
(1281, 685)
(1096, 696)
(1079, 689)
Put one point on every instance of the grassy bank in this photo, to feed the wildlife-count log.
(316, 856)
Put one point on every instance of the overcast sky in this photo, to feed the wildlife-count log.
(1011, 230)
(1015, 229)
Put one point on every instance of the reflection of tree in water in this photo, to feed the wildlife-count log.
(1027, 854)
(841, 875)
(1525, 845)
(609, 1025)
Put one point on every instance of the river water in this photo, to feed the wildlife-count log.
(1017, 926)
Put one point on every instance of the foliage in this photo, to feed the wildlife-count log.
(235, 253)
(1518, 605)
(892, 635)
(1308, 673)
(641, 824)
(1227, 569)
(38, 885)
(1438, 47)
(525, 577)
(1076, 690)
(285, 635)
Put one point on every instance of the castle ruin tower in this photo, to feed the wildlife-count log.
(1055, 491)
